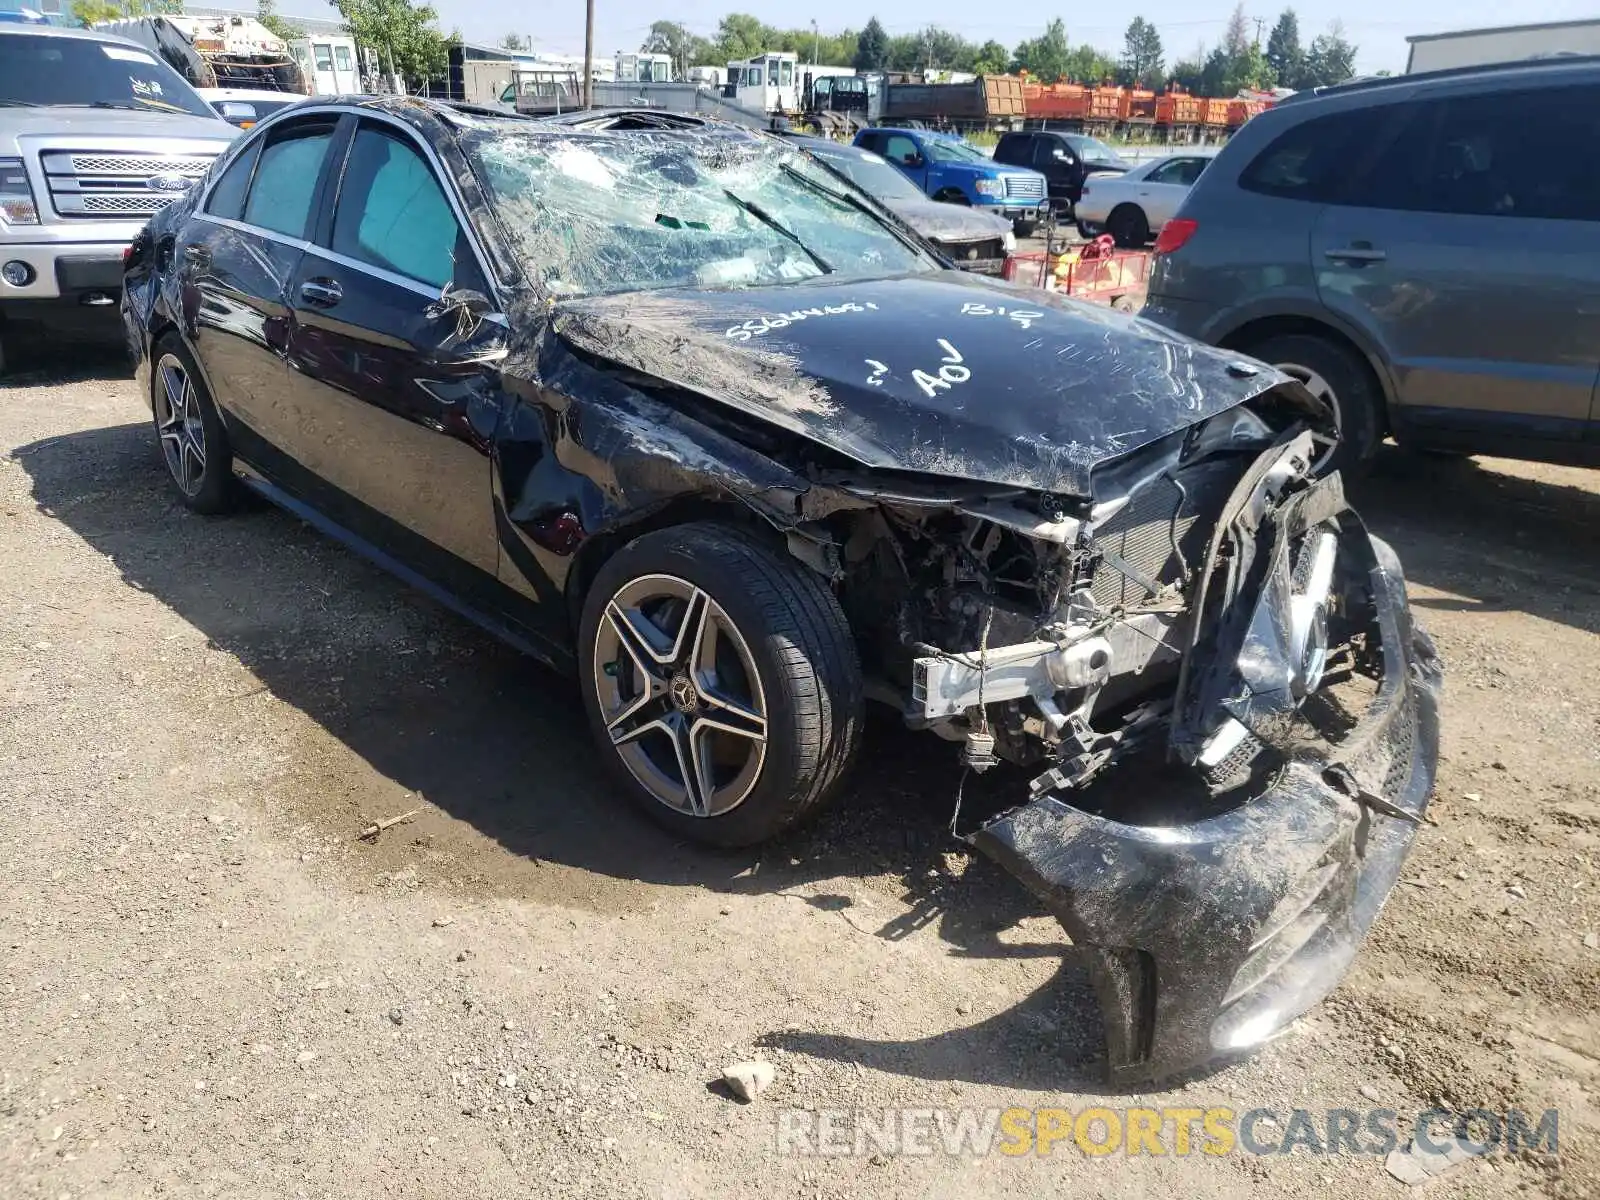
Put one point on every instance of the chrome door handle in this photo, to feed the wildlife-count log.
(321, 293)
(1355, 254)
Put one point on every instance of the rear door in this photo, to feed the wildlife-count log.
(1469, 249)
(1161, 191)
(235, 258)
(394, 374)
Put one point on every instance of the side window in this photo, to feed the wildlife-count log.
(324, 55)
(1314, 159)
(1528, 154)
(872, 142)
(286, 180)
(1182, 171)
(902, 149)
(1044, 152)
(392, 212)
(227, 197)
(341, 55)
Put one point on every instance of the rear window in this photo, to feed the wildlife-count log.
(1314, 160)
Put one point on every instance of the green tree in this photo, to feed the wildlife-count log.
(1284, 53)
(267, 14)
(1141, 55)
(402, 34)
(991, 59)
(872, 48)
(88, 12)
(1331, 59)
(672, 38)
(514, 41)
(1236, 37)
(1087, 65)
(739, 35)
(1045, 57)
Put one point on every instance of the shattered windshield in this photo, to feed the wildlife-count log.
(630, 211)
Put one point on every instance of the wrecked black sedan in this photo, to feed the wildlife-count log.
(686, 414)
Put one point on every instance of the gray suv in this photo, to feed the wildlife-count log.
(1423, 251)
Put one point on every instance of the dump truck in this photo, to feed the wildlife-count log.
(213, 52)
(988, 98)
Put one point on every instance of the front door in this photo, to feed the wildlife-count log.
(1469, 249)
(1057, 162)
(904, 153)
(397, 389)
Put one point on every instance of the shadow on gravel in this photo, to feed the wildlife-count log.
(435, 708)
(47, 363)
(1497, 541)
(431, 707)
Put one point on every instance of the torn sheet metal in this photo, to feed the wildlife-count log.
(1208, 937)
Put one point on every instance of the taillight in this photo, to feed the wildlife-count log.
(1174, 234)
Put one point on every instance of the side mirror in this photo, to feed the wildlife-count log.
(466, 326)
(915, 161)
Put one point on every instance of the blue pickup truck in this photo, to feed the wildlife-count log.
(946, 168)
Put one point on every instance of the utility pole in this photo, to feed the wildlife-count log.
(816, 42)
(1259, 23)
(588, 56)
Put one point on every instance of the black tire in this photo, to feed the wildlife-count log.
(804, 660)
(3, 362)
(954, 196)
(1087, 233)
(1025, 229)
(1128, 226)
(1354, 391)
(207, 486)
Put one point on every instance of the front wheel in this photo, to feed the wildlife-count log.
(721, 683)
(1025, 229)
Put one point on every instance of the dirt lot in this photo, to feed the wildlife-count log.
(208, 987)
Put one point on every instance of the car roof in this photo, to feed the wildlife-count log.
(1556, 68)
(63, 31)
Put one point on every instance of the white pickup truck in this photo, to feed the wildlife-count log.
(96, 135)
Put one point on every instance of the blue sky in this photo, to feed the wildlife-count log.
(1378, 27)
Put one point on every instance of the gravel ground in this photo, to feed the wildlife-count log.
(208, 986)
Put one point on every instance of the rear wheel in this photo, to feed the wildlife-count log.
(193, 443)
(721, 683)
(1339, 377)
(1128, 226)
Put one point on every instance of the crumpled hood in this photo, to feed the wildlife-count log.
(948, 222)
(944, 373)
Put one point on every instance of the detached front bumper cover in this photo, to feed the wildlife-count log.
(1208, 938)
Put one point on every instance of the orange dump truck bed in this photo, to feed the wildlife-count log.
(1178, 108)
(1058, 101)
(1108, 104)
(1214, 112)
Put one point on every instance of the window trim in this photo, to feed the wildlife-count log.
(253, 151)
(323, 239)
(295, 114)
(282, 131)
